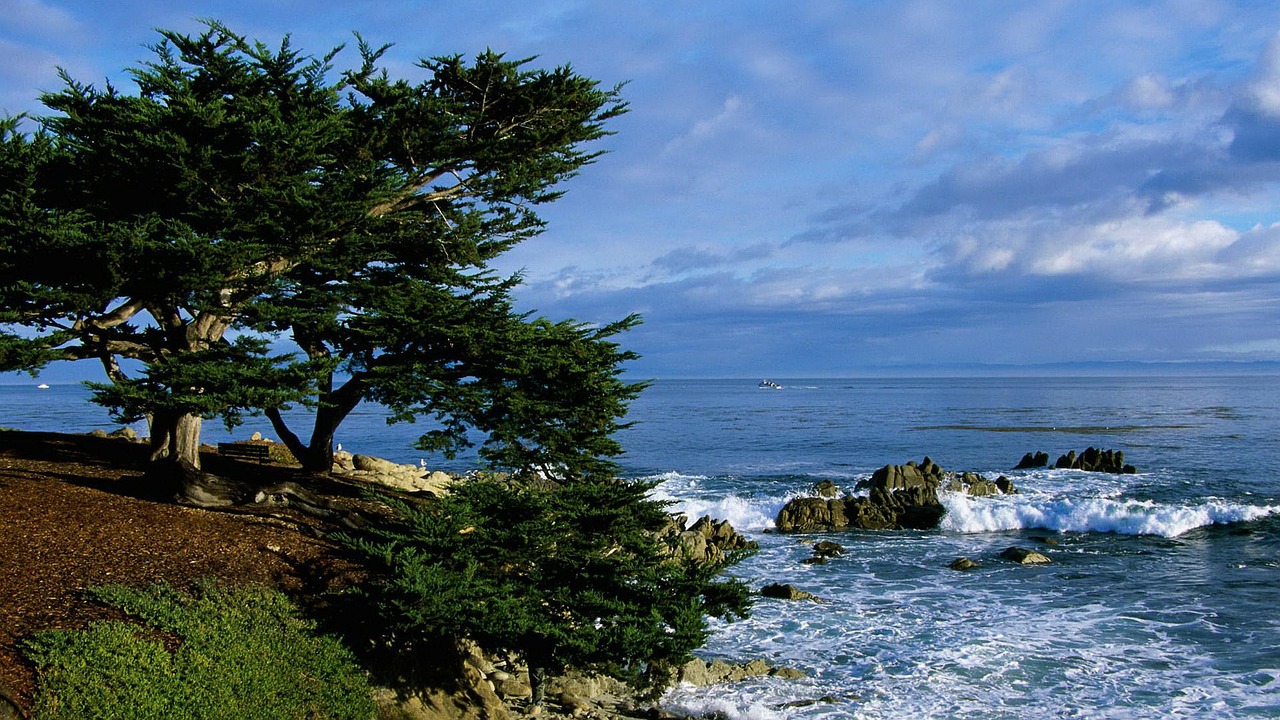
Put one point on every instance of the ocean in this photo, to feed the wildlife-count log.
(1160, 601)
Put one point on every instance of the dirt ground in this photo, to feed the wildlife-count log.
(70, 519)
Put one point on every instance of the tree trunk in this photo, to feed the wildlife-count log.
(176, 437)
(333, 408)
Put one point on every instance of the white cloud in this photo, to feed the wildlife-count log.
(1263, 89)
(707, 128)
(1149, 91)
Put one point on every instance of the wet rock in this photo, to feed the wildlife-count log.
(826, 489)
(963, 563)
(827, 549)
(899, 497)
(1036, 460)
(1024, 556)
(702, 673)
(1095, 460)
(706, 541)
(824, 700)
(783, 591)
(978, 486)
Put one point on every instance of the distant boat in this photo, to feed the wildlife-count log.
(42, 386)
(769, 385)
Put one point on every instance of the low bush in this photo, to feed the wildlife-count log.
(214, 653)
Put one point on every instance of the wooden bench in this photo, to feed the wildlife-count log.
(245, 451)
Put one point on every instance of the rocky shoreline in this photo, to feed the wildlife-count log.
(905, 497)
(50, 481)
(895, 497)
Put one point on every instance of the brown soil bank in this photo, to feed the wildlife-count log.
(67, 523)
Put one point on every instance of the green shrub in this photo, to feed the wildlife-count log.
(216, 653)
(568, 577)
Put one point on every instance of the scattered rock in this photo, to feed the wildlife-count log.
(783, 591)
(900, 497)
(706, 541)
(1028, 461)
(379, 471)
(824, 700)
(369, 463)
(574, 704)
(1095, 460)
(827, 549)
(963, 563)
(1051, 542)
(1024, 556)
(512, 687)
(701, 673)
(124, 433)
(826, 489)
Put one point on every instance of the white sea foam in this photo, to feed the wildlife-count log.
(695, 706)
(687, 494)
(1097, 514)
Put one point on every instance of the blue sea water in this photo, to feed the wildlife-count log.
(1161, 600)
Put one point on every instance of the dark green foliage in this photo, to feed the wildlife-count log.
(568, 575)
(221, 380)
(219, 653)
(550, 406)
(249, 188)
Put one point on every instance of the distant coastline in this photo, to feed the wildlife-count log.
(1212, 368)
(71, 375)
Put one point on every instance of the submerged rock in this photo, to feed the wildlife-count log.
(782, 591)
(827, 549)
(1024, 556)
(963, 563)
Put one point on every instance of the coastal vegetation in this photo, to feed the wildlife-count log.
(248, 202)
(211, 653)
(254, 230)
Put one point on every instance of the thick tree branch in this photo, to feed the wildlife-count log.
(120, 315)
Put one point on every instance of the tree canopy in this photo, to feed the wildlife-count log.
(248, 194)
(565, 575)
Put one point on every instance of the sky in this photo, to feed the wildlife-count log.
(849, 188)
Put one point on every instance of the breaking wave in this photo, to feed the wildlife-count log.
(1124, 517)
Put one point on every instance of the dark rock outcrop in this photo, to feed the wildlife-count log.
(963, 563)
(826, 489)
(827, 549)
(782, 591)
(1037, 460)
(706, 541)
(899, 497)
(1024, 556)
(1095, 460)
(701, 672)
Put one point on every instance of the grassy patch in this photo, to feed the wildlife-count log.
(214, 653)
